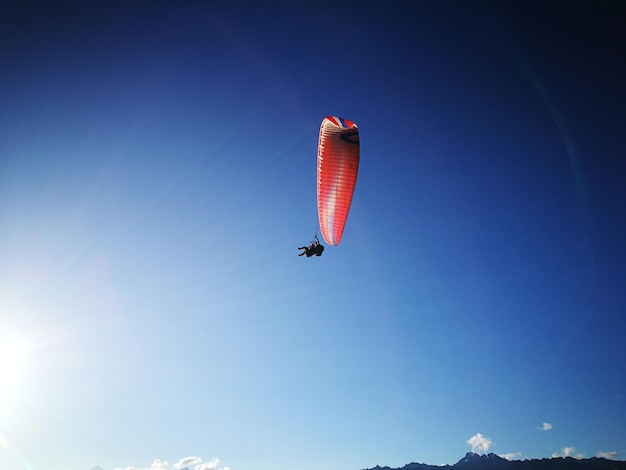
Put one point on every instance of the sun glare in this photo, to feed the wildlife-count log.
(12, 352)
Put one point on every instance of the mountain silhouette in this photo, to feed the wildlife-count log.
(473, 461)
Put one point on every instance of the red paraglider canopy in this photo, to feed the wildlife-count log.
(337, 168)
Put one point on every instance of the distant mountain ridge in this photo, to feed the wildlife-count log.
(491, 461)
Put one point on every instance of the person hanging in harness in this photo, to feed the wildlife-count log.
(314, 248)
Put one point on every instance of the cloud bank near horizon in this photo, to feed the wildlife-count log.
(190, 463)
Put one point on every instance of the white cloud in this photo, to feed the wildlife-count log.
(569, 452)
(159, 464)
(479, 443)
(511, 456)
(545, 427)
(194, 463)
(607, 455)
(212, 465)
(187, 462)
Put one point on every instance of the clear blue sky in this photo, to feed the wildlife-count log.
(157, 172)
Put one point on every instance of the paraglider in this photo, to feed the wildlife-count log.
(337, 168)
(315, 248)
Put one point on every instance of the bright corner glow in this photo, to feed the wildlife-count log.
(12, 352)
